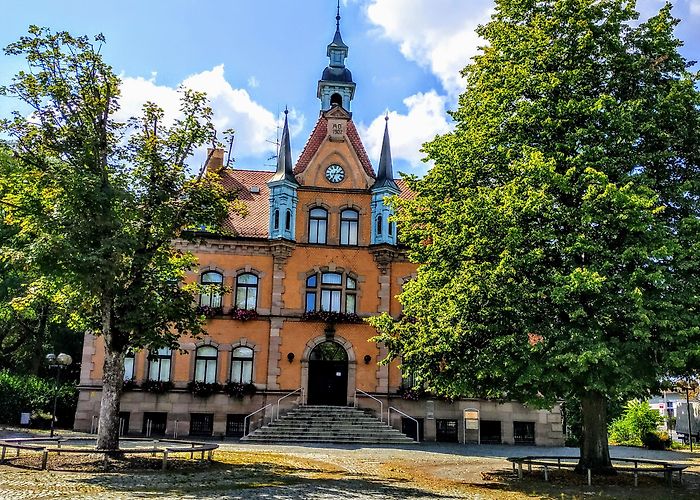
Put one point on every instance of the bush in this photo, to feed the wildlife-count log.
(28, 393)
(636, 423)
(656, 440)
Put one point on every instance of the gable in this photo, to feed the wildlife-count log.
(335, 140)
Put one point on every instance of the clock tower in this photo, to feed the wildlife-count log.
(336, 88)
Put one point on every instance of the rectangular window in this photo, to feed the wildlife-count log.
(205, 371)
(348, 232)
(246, 297)
(524, 432)
(154, 423)
(317, 231)
(310, 301)
(129, 367)
(201, 424)
(330, 300)
(234, 425)
(446, 431)
(160, 370)
(350, 303)
(242, 371)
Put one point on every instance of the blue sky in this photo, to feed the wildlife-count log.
(254, 58)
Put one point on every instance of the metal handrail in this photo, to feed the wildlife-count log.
(286, 396)
(388, 420)
(381, 405)
(245, 420)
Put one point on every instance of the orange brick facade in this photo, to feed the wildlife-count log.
(282, 339)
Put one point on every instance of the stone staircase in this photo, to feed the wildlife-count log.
(327, 424)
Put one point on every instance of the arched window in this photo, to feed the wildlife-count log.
(336, 100)
(159, 364)
(379, 225)
(348, 227)
(288, 221)
(129, 366)
(211, 294)
(276, 220)
(242, 365)
(205, 364)
(318, 225)
(246, 291)
(333, 292)
(391, 229)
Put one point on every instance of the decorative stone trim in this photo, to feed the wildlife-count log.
(352, 362)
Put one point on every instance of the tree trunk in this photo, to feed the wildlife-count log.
(112, 381)
(595, 454)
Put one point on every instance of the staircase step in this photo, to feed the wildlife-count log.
(328, 424)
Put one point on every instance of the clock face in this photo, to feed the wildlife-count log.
(335, 173)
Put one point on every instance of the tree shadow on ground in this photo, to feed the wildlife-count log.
(259, 480)
(569, 484)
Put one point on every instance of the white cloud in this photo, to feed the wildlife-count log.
(437, 34)
(233, 108)
(425, 118)
(253, 82)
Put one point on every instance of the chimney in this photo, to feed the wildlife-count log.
(215, 161)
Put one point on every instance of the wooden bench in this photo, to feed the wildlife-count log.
(193, 447)
(547, 462)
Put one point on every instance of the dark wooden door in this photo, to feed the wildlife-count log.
(328, 375)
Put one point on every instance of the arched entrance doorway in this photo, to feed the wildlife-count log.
(328, 374)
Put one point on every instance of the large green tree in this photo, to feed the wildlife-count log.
(99, 202)
(558, 230)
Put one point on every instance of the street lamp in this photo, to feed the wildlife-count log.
(57, 362)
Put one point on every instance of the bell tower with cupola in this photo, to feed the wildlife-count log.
(336, 88)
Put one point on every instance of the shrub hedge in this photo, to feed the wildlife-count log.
(28, 393)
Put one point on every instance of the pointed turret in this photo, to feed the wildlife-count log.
(385, 175)
(283, 191)
(285, 167)
(384, 230)
(336, 88)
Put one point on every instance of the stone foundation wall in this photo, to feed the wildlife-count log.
(179, 405)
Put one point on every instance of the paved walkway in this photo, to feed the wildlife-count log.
(426, 470)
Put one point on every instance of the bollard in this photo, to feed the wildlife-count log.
(546, 478)
(155, 444)
(165, 459)
(175, 431)
(589, 476)
(520, 470)
(192, 452)
(44, 459)
(636, 483)
(58, 446)
(2, 459)
(559, 463)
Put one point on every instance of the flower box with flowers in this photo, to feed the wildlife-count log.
(203, 389)
(129, 385)
(238, 390)
(243, 314)
(331, 317)
(210, 312)
(157, 386)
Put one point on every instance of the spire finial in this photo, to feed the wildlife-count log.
(286, 111)
(386, 117)
(337, 17)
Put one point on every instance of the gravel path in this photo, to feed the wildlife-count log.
(427, 470)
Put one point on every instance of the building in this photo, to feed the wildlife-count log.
(316, 252)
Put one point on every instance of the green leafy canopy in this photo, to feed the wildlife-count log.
(557, 233)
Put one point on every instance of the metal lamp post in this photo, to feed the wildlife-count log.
(57, 362)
